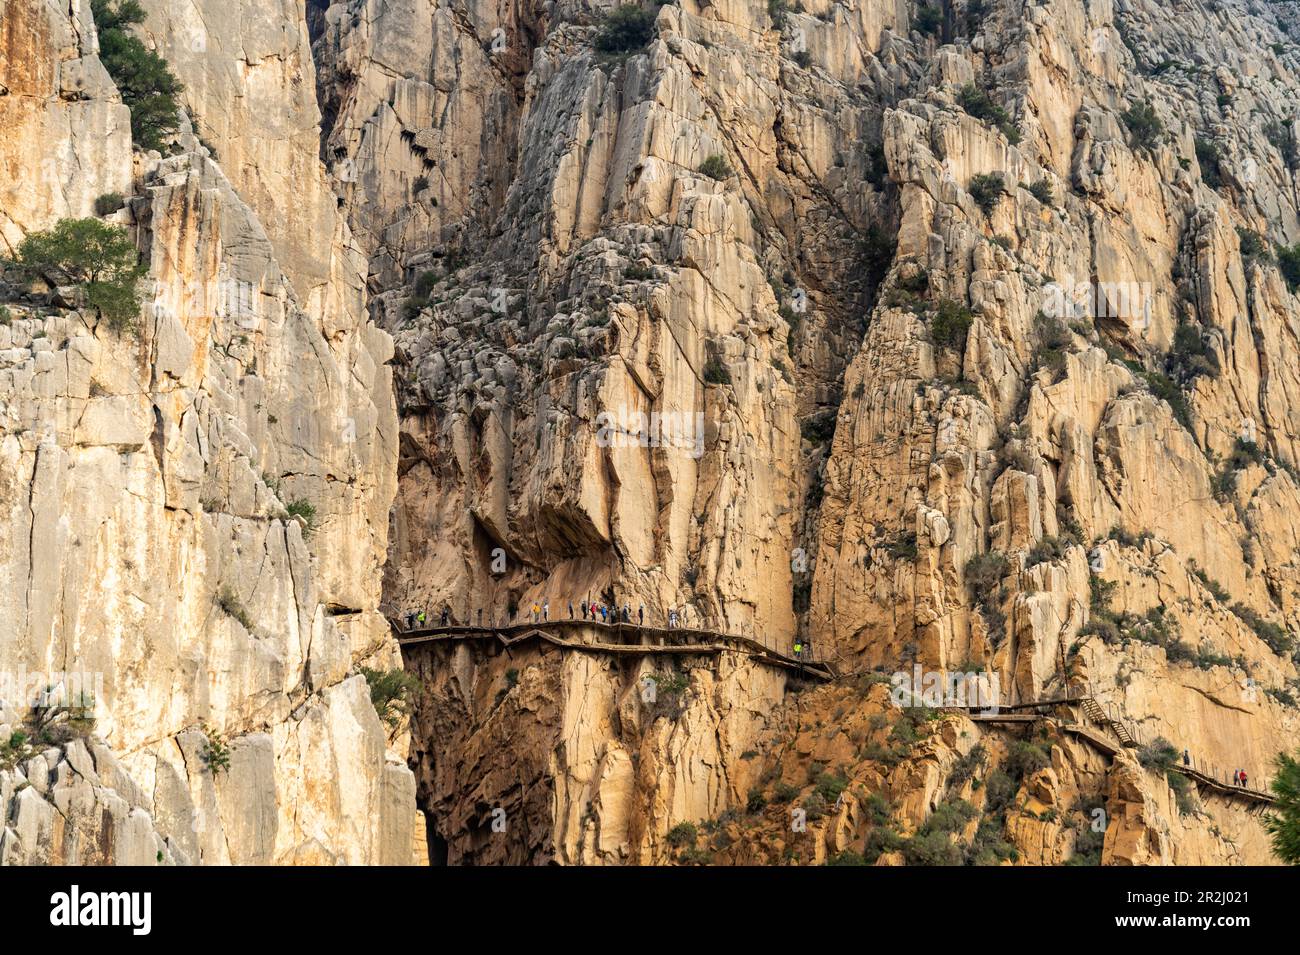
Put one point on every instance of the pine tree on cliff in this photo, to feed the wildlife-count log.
(147, 84)
(1284, 824)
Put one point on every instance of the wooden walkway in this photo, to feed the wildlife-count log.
(1107, 717)
(617, 639)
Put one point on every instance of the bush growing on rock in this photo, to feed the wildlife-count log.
(391, 692)
(1042, 191)
(1288, 262)
(1158, 755)
(109, 203)
(147, 84)
(216, 751)
(682, 834)
(950, 325)
(715, 373)
(305, 510)
(626, 29)
(1210, 158)
(716, 167)
(99, 258)
(929, 19)
(1283, 824)
(984, 572)
(976, 102)
(233, 607)
(1278, 640)
(986, 189)
(1144, 126)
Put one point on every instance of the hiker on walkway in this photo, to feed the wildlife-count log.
(627, 613)
(546, 610)
(798, 650)
(419, 618)
(446, 614)
(604, 614)
(640, 613)
(410, 620)
(584, 611)
(1243, 779)
(1236, 777)
(1187, 758)
(537, 612)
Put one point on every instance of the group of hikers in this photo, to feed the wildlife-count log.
(590, 610)
(1239, 777)
(541, 613)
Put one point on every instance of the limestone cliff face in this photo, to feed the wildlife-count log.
(146, 479)
(893, 290)
(1133, 462)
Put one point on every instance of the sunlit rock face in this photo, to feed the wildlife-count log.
(957, 342)
(148, 479)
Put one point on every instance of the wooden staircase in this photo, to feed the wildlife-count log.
(1106, 716)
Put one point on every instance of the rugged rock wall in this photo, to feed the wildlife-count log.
(783, 219)
(857, 454)
(544, 756)
(146, 478)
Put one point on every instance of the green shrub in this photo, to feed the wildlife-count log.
(216, 751)
(1144, 126)
(1253, 245)
(147, 84)
(233, 607)
(1042, 191)
(98, 257)
(304, 509)
(929, 19)
(1283, 823)
(1049, 548)
(1190, 356)
(950, 325)
(682, 834)
(109, 203)
(1288, 262)
(984, 572)
(830, 785)
(391, 692)
(626, 29)
(1210, 158)
(1281, 138)
(979, 104)
(784, 792)
(1026, 758)
(902, 547)
(986, 189)
(1164, 388)
(715, 373)
(1277, 638)
(847, 857)
(1158, 755)
(424, 283)
(715, 167)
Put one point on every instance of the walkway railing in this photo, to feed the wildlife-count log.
(1108, 716)
(622, 638)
